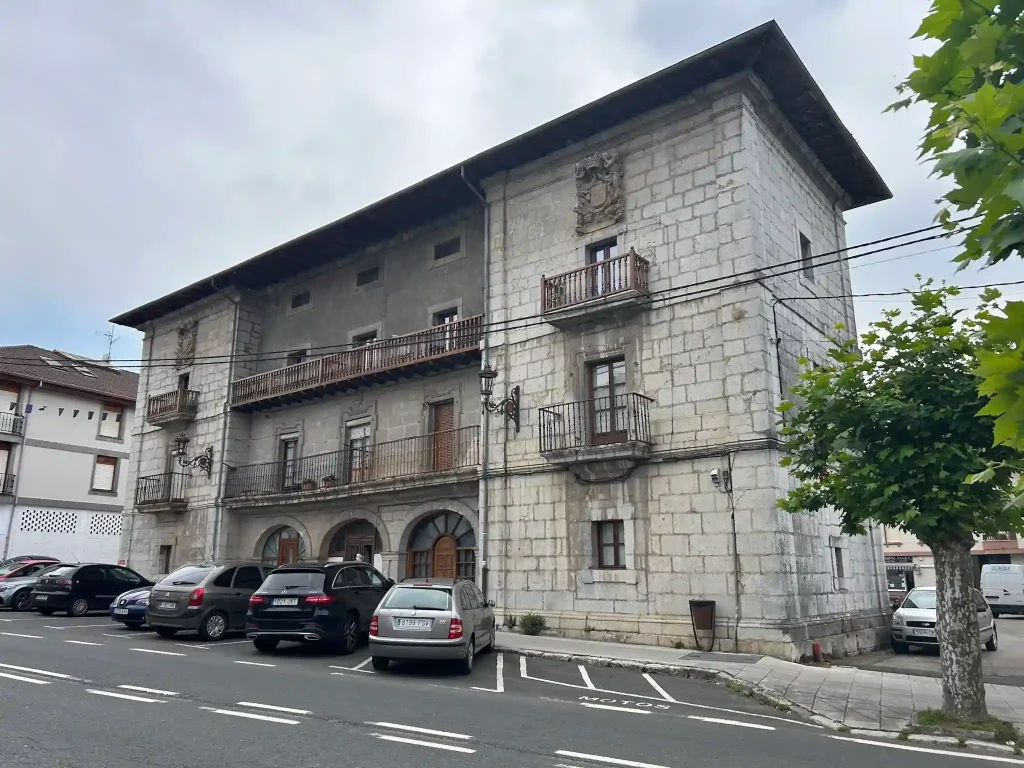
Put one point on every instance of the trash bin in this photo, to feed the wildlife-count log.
(702, 617)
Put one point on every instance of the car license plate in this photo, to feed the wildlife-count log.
(285, 601)
(412, 623)
(167, 606)
(40, 598)
(120, 611)
(922, 633)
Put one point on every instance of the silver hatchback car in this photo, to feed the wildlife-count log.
(431, 619)
(914, 622)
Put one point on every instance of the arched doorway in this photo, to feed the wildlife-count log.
(285, 545)
(359, 537)
(442, 546)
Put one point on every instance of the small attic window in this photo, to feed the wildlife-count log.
(50, 361)
(301, 299)
(84, 371)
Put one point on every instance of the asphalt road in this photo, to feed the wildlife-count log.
(86, 692)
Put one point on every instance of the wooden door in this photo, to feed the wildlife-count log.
(359, 545)
(287, 551)
(444, 558)
(443, 426)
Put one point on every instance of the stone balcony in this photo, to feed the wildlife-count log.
(12, 424)
(617, 286)
(6, 485)
(611, 431)
(435, 349)
(162, 493)
(437, 458)
(172, 408)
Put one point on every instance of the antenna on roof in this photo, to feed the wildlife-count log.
(111, 338)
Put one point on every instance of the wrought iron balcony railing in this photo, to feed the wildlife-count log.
(168, 488)
(602, 421)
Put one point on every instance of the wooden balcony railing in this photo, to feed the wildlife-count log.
(168, 488)
(595, 281)
(602, 421)
(389, 354)
(6, 485)
(12, 423)
(180, 404)
(423, 455)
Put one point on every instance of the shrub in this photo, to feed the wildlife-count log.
(532, 624)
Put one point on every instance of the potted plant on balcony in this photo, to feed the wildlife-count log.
(309, 484)
(329, 481)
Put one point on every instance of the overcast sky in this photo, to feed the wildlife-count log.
(145, 145)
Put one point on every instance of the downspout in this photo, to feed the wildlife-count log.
(17, 471)
(218, 504)
(485, 442)
(142, 434)
(735, 557)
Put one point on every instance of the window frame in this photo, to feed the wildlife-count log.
(618, 544)
(164, 562)
(374, 269)
(457, 239)
(618, 433)
(106, 461)
(806, 251)
(110, 409)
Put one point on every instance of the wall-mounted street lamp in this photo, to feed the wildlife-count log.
(202, 462)
(509, 406)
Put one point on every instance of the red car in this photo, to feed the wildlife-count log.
(21, 568)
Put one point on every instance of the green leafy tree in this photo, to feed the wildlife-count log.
(890, 434)
(973, 83)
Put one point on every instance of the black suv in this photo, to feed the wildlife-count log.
(330, 603)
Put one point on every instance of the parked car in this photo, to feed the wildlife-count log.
(130, 608)
(431, 619)
(20, 568)
(83, 587)
(208, 598)
(1003, 587)
(16, 593)
(914, 622)
(20, 558)
(330, 604)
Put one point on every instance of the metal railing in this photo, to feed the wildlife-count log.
(437, 342)
(6, 485)
(161, 489)
(12, 423)
(594, 281)
(426, 454)
(600, 421)
(185, 401)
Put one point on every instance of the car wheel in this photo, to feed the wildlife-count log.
(79, 607)
(45, 611)
(265, 644)
(213, 627)
(993, 642)
(166, 631)
(466, 665)
(21, 600)
(899, 647)
(380, 663)
(135, 625)
(349, 635)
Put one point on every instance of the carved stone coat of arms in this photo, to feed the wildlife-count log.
(600, 191)
(185, 354)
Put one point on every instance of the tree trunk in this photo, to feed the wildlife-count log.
(963, 689)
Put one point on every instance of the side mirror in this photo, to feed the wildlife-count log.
(982, 609)
(389, 583)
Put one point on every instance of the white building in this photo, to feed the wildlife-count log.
(64, 444)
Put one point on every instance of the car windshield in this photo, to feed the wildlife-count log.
(289, 580)
(420, 598)
(921, 598)
(187, 575)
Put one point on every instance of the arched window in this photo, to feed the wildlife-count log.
(442, 547)
(359, 537)
(284, 545)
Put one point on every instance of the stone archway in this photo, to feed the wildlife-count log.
(354, 540)
(280, 545)
(441, 545)
(332, 546)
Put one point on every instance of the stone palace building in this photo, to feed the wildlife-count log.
(624, 278)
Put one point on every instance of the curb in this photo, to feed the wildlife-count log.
(751, 690)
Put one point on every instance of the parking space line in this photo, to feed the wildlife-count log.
(19, 678)
(119, 637)
(81, 642)
(359, 667)
(419, 743)
(927, 750)
(616, 709)
(17, 634)
(608, 760)
(252, 716)
(424, 731)
(499, 683)
(128, 696)
(75, 626)
(225, 642)
(35, 671)
(658, 688)
(586, 677)
(273, 708)
(192, 645)
(522, 666)
(255, 663)
(143, 689)
(154, 650)
(721, 721)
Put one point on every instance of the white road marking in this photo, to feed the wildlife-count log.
(608, 760)
(75, 626)
(522, 666)
(39, 671)
(586, 677)
(359, 667)
(192, 645)
(418, 743)
(499, 684)
(720, 721)
(928, 751)
(255, 663)
(81, 642)
(424, 731)
(16, 634)
(252, 716)
(9, 676)
(225, 642)
(616, 709)
(658, 688)
(288, 710)
(128, 696)
(142, 689)
(154, 650)
(119, 637)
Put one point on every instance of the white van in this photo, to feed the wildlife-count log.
(1003, 587)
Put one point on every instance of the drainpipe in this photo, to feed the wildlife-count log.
(218, 504)
(142, 434)
(17, 475)
(484, 356)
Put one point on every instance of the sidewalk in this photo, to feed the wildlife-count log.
(856, 698)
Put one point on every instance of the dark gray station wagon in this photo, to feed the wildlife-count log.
(209, 598)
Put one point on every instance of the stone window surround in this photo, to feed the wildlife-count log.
(441, 394)
(839, 583)
(377, 327)
(442, 235)
(282, 432)
(368, 262)
(157, 546)
(294, 290)
(305, 346)
(364, 420)
(591, 354)
(432, 310)
(607, 511)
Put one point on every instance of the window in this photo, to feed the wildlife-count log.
(840, 568)
(446, 316)
(84, 371)
(295, 357)
(183, 382)
(301, 299)
(611, 543)
(111, 418)
(359, 457)
(362, 339)
(224, 579)
(289, 460)
(103, 473)
(605, 278)
(367, 276)
(248, 577)
(447, 248)
(51, 362)
(124, 575)
(351, 577)
(1001, 537)
(376, 580)
(609, 422)
(163, 559)
(806, 257)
